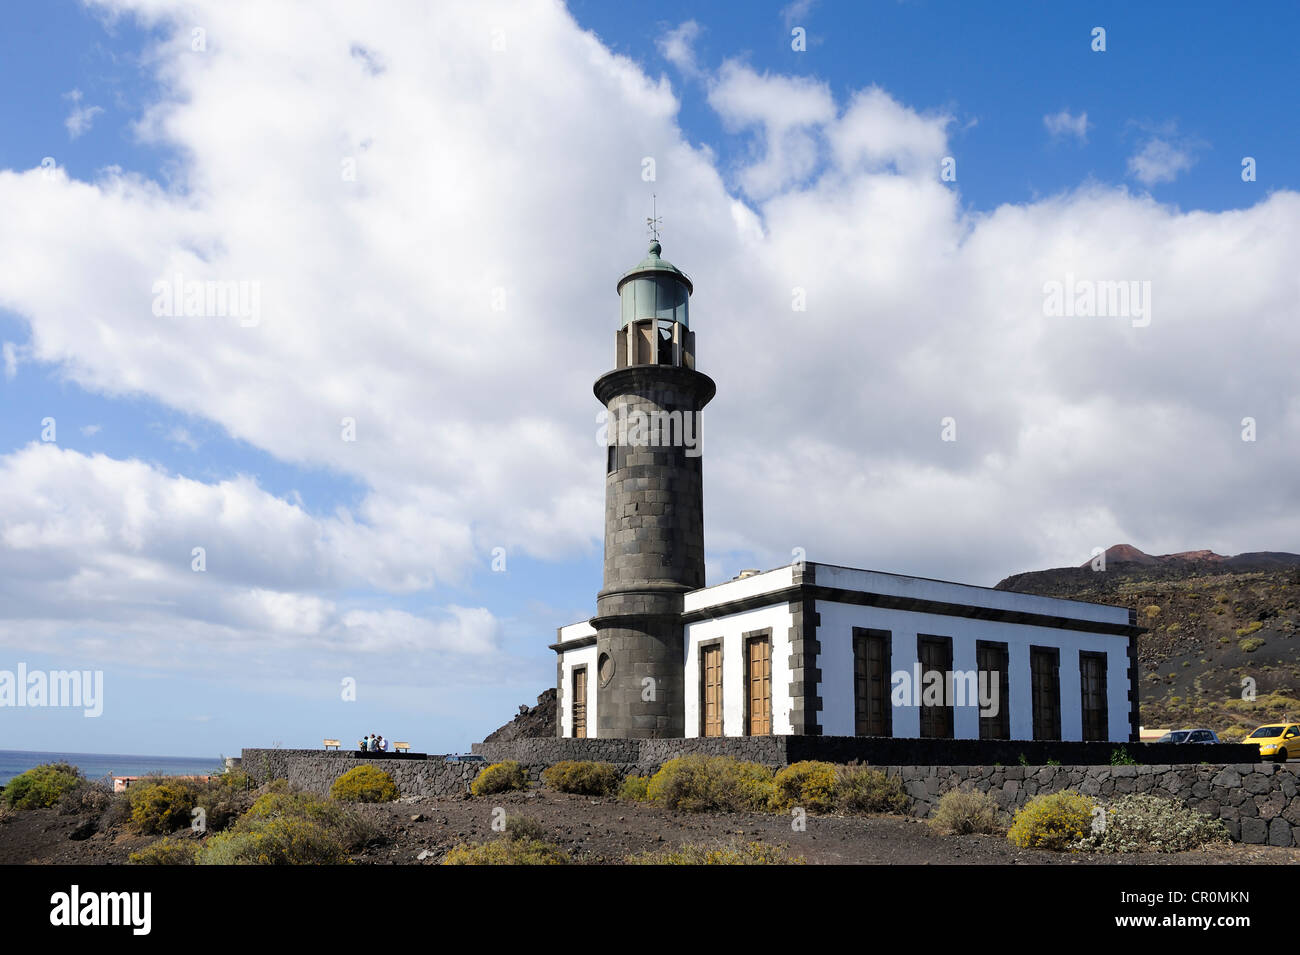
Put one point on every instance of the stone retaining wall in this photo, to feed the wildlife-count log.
(1258, 802)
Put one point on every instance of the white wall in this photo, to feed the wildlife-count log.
(835, 635)
(731, 629)
(751, 586)
(585, 656)
(923, 588)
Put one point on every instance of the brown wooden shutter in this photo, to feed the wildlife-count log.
(1045, 670)
(871, 654)
(992, 658)
(580, 703)
(759, 679)
(1092, 684)
(935, 654)
(711, 678)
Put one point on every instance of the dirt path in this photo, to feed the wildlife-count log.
(603, 831)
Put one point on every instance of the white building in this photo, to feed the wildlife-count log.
(808, 649)
(1011, 666)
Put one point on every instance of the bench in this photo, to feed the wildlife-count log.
(331, 743)
(402, 747)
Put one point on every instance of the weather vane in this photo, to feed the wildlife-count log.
(653, 220)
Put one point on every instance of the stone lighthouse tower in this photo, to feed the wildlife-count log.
(654, 504)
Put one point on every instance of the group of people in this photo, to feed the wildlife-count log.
(372, 744)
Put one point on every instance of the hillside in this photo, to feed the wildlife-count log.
(1213, 621)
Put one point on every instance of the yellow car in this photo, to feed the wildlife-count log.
(1278, 740)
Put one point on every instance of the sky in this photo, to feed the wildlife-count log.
(301, 305)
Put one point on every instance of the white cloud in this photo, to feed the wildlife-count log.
(796, 12)
(876, 131)
(109, 545)
(10, 354)
(90, 430)
(476, 427)
(1064, 123)
(1159, 160)
(181, 436)
(678, 47)
(786, 109)
(82, 117)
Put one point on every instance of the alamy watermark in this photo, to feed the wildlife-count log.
(233, 298)
(946, 688)
(1086, 298)
(650, 429)
(82, 689)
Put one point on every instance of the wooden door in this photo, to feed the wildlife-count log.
(759, 678)
(711, 689)
(1092, 684)
(1045, 671)
(580, 703)
(991, 659)
(871, 653)
(935, 654)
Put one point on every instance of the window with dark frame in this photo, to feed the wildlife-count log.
(871, 662)
(580, 702)
(758, 680)
(711, 689)
(935, 654)
(991, 660)
(1092, 690)
(1045, 677)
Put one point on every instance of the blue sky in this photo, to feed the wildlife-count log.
(516, 165)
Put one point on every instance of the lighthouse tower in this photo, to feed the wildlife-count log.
(654, 504)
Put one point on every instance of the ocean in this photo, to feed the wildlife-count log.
(100, 765)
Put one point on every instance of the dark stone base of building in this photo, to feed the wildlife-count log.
(883, 751)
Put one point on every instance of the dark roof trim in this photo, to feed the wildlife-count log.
(577, 643)
(914, 604)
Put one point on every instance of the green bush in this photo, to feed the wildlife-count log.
(699, 783)
(1251, 644)
(747, 853)
(808, 784)
(277, 841)
(1052, 821)
(1119, 757)
(525, 827)
(860, 789)
(168, 851)
(161, 806)
(499, 778)
(364, 784)
(582, 776)
(86, 799)
(1141, 822)
(42, 786)
(351, 830)
(1250, 628)
(964, 811)
(635, 789)
(507, 852)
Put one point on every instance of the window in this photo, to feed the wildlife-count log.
(1045, 676)
(935, 654)
(871, 654)
(758, 678)
(711, 690)
(991, 662)
(1092, 686)
(579, 702)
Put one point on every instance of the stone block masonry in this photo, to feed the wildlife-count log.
(1258, 802)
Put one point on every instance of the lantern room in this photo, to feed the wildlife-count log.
(654, 327)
